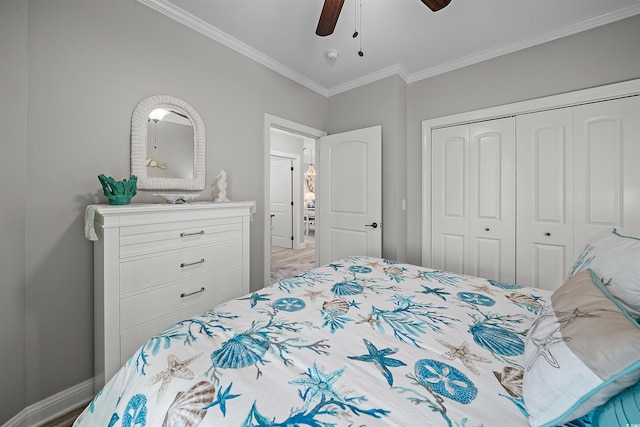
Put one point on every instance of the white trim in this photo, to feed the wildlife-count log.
(596, 94)
(167, 8)
(197, 24)
(515, 46)
(275, 122)
(54, 406)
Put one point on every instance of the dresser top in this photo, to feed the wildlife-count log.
(140, 213)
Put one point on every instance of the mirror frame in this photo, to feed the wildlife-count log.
(139, 127)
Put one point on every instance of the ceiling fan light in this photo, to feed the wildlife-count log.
(158, 114)
(332, 56)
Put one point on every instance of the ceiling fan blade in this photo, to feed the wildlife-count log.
(436, 5)
(329, 17)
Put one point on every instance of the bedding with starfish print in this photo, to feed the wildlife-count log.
(361, 341)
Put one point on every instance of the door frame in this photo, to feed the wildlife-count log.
(271, 121)
(296, 184)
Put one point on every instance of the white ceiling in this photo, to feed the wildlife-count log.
(399, 37)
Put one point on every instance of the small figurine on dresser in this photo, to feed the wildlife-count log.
(222, 187)
(118, 192)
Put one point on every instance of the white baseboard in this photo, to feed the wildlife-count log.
(54, 406)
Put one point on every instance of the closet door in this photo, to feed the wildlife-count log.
(607, 169)
(492, 188)
(473, 199)
(450, 199)
(544, 198)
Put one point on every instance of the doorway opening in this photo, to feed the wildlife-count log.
(289, 141)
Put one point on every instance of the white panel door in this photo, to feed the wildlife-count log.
(281, 202)
(492, 200)
(450, 199)
(607, 169)
(349, 194)
(544, 198)
(473, 199)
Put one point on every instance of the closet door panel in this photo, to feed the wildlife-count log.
(492, 199)
(450, 208)
(607, 169)
(544, 197)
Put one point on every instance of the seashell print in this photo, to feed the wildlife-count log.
(525, 301)
(336, 305)
(347, 288)
(392, 270)
(187, 408)
(445, 380)
(511, 380)
(497, 340)
(240, 351)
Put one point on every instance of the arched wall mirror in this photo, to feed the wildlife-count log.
(167, 145)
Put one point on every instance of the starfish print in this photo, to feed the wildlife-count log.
(464, 355)
(565, 319)
(222, 398)
(175, 369)
(544, 349)
(369, 319)
(439, 292)
(354, 304)
(319, 385)
(380, 360)
(314, 294)
(255, 297)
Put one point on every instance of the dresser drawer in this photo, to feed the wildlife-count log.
(131, 339)
(141, 307)
(152, 238)
(140, 273)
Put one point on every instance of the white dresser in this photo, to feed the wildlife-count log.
(157, 264)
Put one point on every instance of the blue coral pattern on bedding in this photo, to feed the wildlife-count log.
(362, 341)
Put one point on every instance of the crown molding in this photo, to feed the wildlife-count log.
(178, 14)
(578, 27)
(185, 18)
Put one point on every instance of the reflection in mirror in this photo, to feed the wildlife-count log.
(167, 145)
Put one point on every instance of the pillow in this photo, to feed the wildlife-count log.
(581, 350)
(621, 410)
(616, 260)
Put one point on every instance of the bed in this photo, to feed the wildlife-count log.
(361, 341)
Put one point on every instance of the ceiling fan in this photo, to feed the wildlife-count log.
(331, 11)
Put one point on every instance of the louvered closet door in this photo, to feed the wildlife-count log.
(492, 187)
(607, 169)
(473, 199)
(450, 205)
(544, 197)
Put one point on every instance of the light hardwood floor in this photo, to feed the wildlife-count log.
(288, 262)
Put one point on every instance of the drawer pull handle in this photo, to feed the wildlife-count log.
(187, 264)
(182, 295)
(192, 234)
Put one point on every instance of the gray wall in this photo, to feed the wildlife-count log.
(13, 143)
(607, 54)
(381, 103)
(90, 63)
(65, 119)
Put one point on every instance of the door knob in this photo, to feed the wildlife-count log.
(372, 225)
